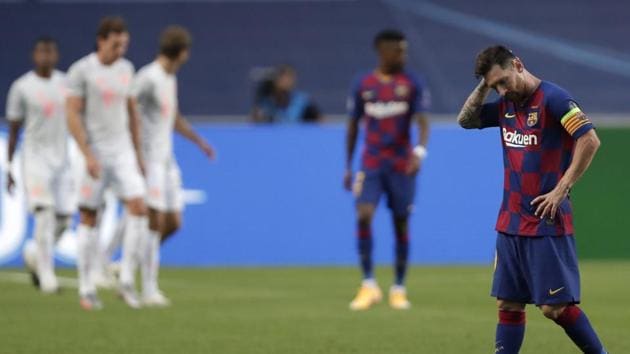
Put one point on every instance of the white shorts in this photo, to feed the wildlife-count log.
(49, 186)
(120, 173)
(164, 185)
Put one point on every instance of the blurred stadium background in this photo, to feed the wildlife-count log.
(274, 196)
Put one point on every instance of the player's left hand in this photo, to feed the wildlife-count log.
(207, 150)
(549, 203)
(414, 165)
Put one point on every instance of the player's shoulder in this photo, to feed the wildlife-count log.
(83, 63)
(554, 92)
(413, 78)
(364, 78)
(126, 64)
(23, 79)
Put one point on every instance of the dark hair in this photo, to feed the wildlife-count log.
(44, 40)
(388, 35)
(111, 24)
(491, 56)
(174, 40)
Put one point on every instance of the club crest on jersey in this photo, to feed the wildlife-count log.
(368, 95)
(532, 119)
(401, 91)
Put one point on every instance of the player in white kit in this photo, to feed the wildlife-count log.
(37, 101)
(102, 118)
(155, 88)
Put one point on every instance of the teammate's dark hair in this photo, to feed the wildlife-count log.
(388, 35)
(174, 40)
(44, 40)
(495, 55)
(111, 24)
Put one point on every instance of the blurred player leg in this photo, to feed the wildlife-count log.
(44, 237)
(133, 242)
(87, 241)
(400, 190)
(367, 189)
(152, 296)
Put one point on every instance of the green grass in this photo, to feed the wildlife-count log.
(301, 310)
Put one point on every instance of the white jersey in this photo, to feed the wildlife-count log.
(156, 93)
(105, 89)
(40, 103)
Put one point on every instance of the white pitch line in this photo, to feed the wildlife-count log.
(25, 278)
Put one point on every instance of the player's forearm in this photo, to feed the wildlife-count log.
(351, 141)
(183, 127)
(14, 133)
(583, 154)
(134, 127)
(75, 127)
(423, 125)
(468, 117)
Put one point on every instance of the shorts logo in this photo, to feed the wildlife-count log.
(532, 119)
(554, 292)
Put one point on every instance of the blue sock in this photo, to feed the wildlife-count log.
(579, 329)
(365, 250)
(402, 255)
(510, 332)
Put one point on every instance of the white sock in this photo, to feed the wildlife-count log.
(44, 236)
(370, 282)
(116, 241)
(132, 248)
(151, 263)
(86, 239)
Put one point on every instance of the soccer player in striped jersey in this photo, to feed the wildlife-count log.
(388, 100)
(548, 143)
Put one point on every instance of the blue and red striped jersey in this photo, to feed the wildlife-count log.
(387, 107)
(537, 140)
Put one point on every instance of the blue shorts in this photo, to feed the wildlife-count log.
(536, 270)
(400, 189)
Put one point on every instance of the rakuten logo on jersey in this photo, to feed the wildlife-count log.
(519, 140)
(381, 110)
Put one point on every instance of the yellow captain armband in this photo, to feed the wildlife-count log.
(574, 120)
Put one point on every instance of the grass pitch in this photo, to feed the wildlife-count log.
(301, 310)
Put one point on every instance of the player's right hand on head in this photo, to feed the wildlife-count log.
(93, 167)
(347, 180)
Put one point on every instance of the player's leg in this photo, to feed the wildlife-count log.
(87, 242)
(400, 190)
(131, 189)
(512, 292)
(39, 182)
(556, 279)
(44, 220)
(367, 189)
(90, 199)
(511, 327)
(172, 223)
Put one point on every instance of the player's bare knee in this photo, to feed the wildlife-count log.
(552, 312)
(156, 220)
(172, 223)
(136, 207)
(365, 213)
(88, 217)
(506, 305)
